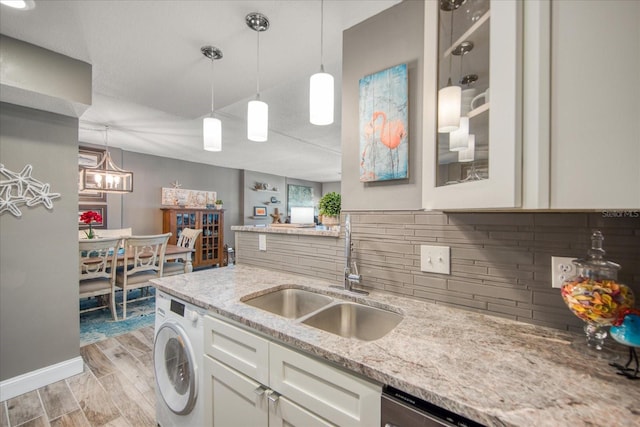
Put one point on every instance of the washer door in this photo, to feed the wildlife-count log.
(175, 369)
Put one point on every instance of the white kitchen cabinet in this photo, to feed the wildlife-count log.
(231, 398)
(289, 414)
(340, 397)
(496, 59)
(593, 50)
(571, 139)
(252, 381)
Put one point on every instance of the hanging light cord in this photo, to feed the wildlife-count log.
(462, 53)
(322, 36)
(211, 86)
(450, 43)
(106, 138)
(258, 68)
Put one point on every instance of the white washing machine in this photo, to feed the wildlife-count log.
(177, 361)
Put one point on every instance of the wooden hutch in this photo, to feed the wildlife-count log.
(209, 247)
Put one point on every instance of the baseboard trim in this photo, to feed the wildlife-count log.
(40, 377)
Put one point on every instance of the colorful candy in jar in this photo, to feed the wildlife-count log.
(596, 301)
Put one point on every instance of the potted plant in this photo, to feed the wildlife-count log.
(330, 207)
(219, 204)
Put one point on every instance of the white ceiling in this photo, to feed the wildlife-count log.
(152, 85)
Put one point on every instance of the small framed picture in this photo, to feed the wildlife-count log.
(100, 209)
(259, 211)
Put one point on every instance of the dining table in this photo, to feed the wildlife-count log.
(175, 252)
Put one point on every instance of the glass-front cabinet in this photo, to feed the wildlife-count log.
(209, 247)
(472, 154)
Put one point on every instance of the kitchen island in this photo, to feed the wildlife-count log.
(496, 371)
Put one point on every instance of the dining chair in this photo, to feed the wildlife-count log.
(143, 261)
(187, 239)
(97, 272)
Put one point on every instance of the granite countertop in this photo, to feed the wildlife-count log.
(284, 229)
(496, 371)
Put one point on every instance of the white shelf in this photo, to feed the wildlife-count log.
(477, 111)
(467, 34)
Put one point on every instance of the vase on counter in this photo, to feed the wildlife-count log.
(595, 296)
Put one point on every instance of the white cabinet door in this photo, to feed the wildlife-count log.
(499, 148)
(340, 397)
(242, 350)
(231, 398)
(285, 413)
(595, 105)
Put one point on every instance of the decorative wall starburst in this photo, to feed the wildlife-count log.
(21, 188)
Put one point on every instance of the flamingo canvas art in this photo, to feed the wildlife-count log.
(384, 130)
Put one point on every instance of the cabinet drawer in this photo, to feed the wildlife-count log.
(289, 414)
(243, 351)
(340, 397)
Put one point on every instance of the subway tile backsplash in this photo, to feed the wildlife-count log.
(500, 262)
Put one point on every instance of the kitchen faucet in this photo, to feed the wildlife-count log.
(351, 276)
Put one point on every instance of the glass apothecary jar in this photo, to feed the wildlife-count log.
(594, 293)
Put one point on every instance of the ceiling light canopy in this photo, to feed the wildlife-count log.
(321, 87)
(106, 176)
(257, 111)
(211, 127)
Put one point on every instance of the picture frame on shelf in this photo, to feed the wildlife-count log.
(260, 211)
(100, 209)
(89, 157)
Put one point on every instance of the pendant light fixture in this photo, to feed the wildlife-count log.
(449, 97)
(321, 87)
(257, 111)
(211, 127)
(459, 138)
(106, 176)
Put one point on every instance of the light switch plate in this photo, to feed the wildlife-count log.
(435, 259)
(262, 242)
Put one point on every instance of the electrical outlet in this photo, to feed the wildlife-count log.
(262, 242)
(561, 269)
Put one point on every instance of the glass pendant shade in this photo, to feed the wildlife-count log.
(212, 134)
(106, 177)
(468, 155)
(257, 121)
(321, 99)
(449, 104)
(459, 138)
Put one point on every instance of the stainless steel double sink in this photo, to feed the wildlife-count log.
(343, 318)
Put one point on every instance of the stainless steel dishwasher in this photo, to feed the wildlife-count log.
(400, 409)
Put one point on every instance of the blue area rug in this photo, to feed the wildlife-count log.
(98, 325)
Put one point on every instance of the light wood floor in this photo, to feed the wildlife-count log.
(116, 389)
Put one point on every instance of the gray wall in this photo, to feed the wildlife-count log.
(329, 187)
(38, 251)
(392, 37)
(140, 210)
(252, 198)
